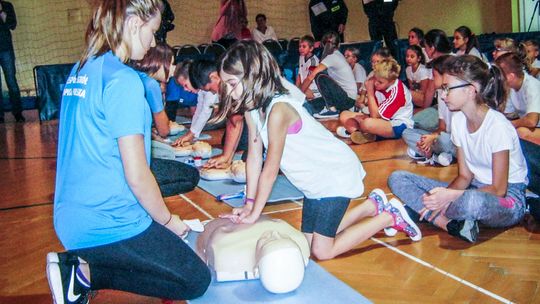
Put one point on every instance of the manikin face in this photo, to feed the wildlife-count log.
(351, 59)
(411, 58)
(413, 39)
(460, 42)
(141, 35)
(304, 49)
(233, 84)
(382, 84)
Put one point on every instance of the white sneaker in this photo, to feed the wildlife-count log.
(444, 159)
(342, 132)
(412, 154)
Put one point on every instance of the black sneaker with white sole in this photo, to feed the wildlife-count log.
(466, 230)
(65, 286)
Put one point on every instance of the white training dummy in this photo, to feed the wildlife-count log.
(269, 249)
(175, 128)
(166, 151)
(236, 171)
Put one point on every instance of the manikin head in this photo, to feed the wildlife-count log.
(280, 262)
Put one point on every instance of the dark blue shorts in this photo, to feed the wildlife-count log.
(398, 132)
(324, 215)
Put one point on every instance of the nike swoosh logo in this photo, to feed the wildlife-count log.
(71, 296)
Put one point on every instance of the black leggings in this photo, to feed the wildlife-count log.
(155, 263)
(332, 94)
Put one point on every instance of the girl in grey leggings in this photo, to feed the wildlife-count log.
(492, 177)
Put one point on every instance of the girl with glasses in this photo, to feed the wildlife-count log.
(492, 174)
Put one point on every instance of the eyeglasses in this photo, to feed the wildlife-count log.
(446, 89)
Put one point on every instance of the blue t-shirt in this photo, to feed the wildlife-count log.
(176, 92)
(152, 92)
(93, 204)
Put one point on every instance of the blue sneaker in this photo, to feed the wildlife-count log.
(326, 113)
(402, 221)
(66, 287)
(379, 197)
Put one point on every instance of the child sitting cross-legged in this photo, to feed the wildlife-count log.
(390, 106)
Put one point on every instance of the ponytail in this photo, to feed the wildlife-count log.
(494, 93)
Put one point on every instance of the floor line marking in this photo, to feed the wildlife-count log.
(443, 272)
(192, 203)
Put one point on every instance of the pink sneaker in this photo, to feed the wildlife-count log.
(402, 221)
(381, 203)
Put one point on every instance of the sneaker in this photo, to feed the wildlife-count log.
(326, 113)
(63, 279)
(359, 138)
(379, 197)
(402, 221)
(412, 154)
(342, 132)
(19, 117)
(427, 161)
(466, 230)
(444, 159)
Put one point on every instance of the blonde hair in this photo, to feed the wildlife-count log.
(505, 44)
(387, 68)
(105, 31)
(259, 74)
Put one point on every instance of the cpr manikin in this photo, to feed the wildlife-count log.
(269, 249)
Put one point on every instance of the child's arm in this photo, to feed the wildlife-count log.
(499, 179)
(305, 85)
(426, 141)
(530, 120)
(143, 184)
(162, 123)
(234, 127)
(253, 171)
(429, 94)
(371, 100)
(418, 96)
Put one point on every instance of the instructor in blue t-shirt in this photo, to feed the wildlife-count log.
(108, 211)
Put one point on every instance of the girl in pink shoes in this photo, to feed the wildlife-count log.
(299, 146)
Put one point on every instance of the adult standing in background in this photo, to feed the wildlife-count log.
(326, 16)
(8, 22)
(381, 24)
(229, 26)
(167, 18)
(263, 32)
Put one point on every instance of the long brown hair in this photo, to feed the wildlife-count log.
(259, 74)
(105, 30)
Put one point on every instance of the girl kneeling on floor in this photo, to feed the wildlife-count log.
(490, 186)
(299, 146)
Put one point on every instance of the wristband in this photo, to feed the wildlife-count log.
(170, 218)
(249, 200)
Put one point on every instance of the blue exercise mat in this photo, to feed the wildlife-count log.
(183, 120)
(283, 190)
(318, 286)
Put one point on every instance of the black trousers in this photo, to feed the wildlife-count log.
(174, 177)
(155, 263)
(381, 22)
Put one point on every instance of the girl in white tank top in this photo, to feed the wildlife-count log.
(324, 168)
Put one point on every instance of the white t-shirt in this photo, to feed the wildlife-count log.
(444, 113)
(494, 135)
(417, 76)
(527, 99)
(340, 71)
(536, 64)
(314, 160)
(303, 71)
(205, 102)
(359, 73)
(474, 52)
(261, 37)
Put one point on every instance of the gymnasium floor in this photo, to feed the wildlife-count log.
(504, 266)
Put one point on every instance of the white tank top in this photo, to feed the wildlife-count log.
(314, 160)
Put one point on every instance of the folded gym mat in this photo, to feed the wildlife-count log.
(318, 286)
(283, 190)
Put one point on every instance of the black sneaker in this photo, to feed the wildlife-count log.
(466, 230)
(19, 117)
(63, 282)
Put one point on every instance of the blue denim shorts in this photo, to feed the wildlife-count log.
(323, 215)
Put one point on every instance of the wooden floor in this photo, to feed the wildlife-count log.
(503, 266)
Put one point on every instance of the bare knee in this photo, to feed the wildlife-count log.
(322, 254)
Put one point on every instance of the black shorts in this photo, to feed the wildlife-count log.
(323, 215)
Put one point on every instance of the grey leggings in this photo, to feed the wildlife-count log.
(488, 209)
(443, 143)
